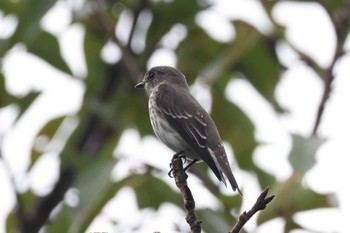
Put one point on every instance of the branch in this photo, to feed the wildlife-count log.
(44, 206)
(127, 58)
(180, 179)
(341, 22)
(260, 204)
(328, 80)
(138, 9)
(180, 176)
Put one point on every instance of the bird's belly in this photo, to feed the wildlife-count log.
(167, 134)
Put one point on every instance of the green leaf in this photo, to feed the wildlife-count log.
(25, 102)
(46, 46)
(96, 192)
(292, 197)
(5, 97)
(62, 221)
(96, 68)
(264, 178)
(268, 6)
(22, 102)
(334, 7)
(223, 61)
(261, 67)
(234, 126)
(291, 225)
(212, 221)
(29, 14)
(48, 130)
(167, 14)
(11, 7)
(302, 154)
(29, 201)
(191, 49)
(93, 178)
(51, 127)
(94, 185)
(229, 201)
(135, 114)
(151, 191)
(29, 32)
(12, 222)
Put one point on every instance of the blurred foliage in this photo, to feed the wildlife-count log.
(292, 197)
(111, 105)
(302, 155)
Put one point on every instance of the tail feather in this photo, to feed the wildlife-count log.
(228, 173)
(233, 182)
(223, 166)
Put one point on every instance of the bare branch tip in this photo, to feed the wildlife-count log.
(260, 204)
(262, 200)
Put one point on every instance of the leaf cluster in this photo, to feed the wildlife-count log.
(111, 105)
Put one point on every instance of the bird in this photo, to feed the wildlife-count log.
(182, 124)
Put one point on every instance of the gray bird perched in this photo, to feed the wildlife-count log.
(182, 124)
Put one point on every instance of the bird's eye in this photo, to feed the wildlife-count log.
(151, 76)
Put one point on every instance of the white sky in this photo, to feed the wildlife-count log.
(299, 91)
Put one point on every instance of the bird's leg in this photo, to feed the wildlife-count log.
(190, 164)
(178, 154)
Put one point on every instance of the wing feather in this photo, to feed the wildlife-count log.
(185, 115)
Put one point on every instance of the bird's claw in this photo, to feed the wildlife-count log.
(170, 173)
(180, 154)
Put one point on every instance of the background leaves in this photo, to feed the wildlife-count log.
(111, 105)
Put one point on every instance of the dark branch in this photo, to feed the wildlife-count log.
(328, 80)
(180, 176)
(341, 22)
(260, 204)
(39, 217)
(127, 58)
(137, 11)
(180, 180)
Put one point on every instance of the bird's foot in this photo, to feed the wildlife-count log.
(190, 164)
(180, 154)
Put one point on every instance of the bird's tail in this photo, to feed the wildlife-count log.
(228, 173)
(225, 168)
(222, 168)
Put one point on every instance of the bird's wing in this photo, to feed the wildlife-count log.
(187, 116)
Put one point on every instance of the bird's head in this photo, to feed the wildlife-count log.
(162, 75)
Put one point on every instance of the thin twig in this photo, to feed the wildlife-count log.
(341, 22)
(137, 11)
(127, 58)
(328, 80)
(260, 204)
(180, 180)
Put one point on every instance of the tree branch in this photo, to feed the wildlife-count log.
(180, 180)
(260, 204)
(127, 58)
(180, 176)
(41, 213)
(341, 22)
(137, 11)
(328, 80)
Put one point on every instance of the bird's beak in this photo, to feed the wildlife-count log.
(140, 85)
